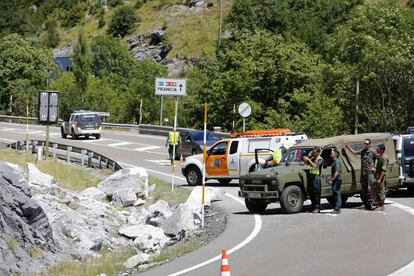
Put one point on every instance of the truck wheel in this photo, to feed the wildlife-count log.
(255, 206)
(62, 132)
(224, 181)
(98, 136)
(291, 200)
(410, 189)
(331, 200)
(193, 176)
(74, 136)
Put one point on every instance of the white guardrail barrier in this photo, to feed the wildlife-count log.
(142, 129)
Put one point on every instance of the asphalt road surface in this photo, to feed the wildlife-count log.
(356, 242)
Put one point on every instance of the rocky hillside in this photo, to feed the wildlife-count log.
(42, 224)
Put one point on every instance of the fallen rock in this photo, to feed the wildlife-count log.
(211, 194)
(158, 213)
(139, 202)
(137, 260)
(36, 177)
(93, 192)
(184, 218)
(124, 198)
(130, 178)
(148, 238)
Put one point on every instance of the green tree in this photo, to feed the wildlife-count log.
(375, 47)
(25, 66)
(81, 65)
(51, 38)
(123, 21)
(242, 16)
(68, 94)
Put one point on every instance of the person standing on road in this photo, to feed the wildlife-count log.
(315, 161)
(368, 157)
(380, 173)
(336, 181)
(172, 140)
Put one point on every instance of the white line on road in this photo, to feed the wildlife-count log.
(407, 270)
(147, 148)
(8, 129)
(253, 234)
(119, 144)
(95, 140)
(36, 131)
(7, 140)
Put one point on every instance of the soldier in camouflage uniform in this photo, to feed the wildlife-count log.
(380, 173)
(368, 157)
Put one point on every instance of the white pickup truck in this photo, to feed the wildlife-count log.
(82, 123)
(231, 158)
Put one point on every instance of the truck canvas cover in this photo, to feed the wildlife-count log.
(356, 142)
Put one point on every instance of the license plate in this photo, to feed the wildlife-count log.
(253, 195)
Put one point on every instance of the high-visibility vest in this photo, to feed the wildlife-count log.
(173, 138)
(277, 156)
(315, 170)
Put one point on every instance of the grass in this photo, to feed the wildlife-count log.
(163, 191)
(175, 251)
(190, 33)
(110, 263)
(69, 176)
(11, 244)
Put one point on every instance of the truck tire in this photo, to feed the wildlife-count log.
(74, 136)
(97, 136)
(255, 206)
(193, 176)
(291, 200)
(62, 132)
(224, 181)
(331, 200)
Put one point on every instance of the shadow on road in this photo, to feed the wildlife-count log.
(400, 193)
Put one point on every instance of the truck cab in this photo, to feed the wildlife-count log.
(231, 158)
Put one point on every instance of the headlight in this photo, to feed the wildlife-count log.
(202, 147)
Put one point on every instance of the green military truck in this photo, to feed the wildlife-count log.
(288, 183)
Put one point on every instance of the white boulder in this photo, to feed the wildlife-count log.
(124, 198)
(184, 218)
(148, 238)
(36, 177)
(158, 213)
(93, 192)
(137, 260)
(211, 194)
(130, 178)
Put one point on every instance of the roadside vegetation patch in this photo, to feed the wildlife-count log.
(163, 191)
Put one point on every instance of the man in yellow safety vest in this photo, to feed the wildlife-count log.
(315, 161)
(276, 157)
(173, 139)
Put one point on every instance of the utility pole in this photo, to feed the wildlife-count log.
(356, 107)
(220, 21)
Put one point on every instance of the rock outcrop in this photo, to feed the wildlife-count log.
(131, 178)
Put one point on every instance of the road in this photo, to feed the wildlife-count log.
(357, 242)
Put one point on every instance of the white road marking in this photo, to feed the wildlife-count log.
(147, 148)
(162, 162)
(7, 140)
(8, 129)
(119, 144)
(54, 134)
(94, 140)
(253, 234)
(36, 131)
(407, 270)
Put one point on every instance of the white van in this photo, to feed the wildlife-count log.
(231, 158)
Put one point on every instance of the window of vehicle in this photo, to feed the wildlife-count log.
(297, 154)
(89, 118)
(199, 136)
(219, 149)
(262, 143)
(408, 147)
(233, 147)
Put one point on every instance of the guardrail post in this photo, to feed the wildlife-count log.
(90, 156)
(113, 166)
(39, 153)
(99, 162)
(83, 153)
(55, 146)
(33, 148)
(69, 149)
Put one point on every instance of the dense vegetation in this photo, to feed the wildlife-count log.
(297, 62)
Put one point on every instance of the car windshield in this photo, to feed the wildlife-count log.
(409, 147)
(89, 118)
(296, 154)
(199, 136)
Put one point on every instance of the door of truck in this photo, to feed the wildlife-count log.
(233, 161)
(216, 161)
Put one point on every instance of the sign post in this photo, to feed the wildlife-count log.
(245, 110)
(48, 112)
(27, 124)
(204, 165)
(177, 88)
(140, 111)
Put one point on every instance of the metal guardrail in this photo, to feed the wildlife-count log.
(69, 153)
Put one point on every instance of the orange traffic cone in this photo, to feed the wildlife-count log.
(224, 268)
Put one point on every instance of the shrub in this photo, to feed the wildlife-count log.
(123, 21)
(114, 3)
(74, 16)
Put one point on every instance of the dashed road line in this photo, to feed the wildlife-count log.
(119, 144)
(147, 148)
(8, 129)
